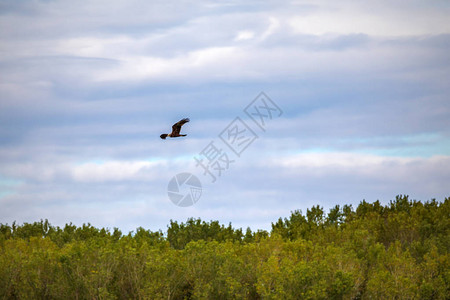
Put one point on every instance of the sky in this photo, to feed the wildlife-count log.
(359, 92)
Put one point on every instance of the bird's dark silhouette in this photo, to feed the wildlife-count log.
(175, 129)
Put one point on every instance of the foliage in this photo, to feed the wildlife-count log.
(397, 251)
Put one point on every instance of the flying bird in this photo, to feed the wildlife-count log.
(175, 129)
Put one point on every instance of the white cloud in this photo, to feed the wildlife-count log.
(373, 18)
(244, 35)
(255, 191)
(236, 45)
(273, 26)
(212, 63)
(116, 171)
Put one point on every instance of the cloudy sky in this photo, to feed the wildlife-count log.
(87, 87)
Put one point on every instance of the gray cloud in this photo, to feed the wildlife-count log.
(255, 191)
(85, 91)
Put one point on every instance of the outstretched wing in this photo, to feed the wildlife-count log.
(177, 126)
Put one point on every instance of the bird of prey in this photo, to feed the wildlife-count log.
(175, 129)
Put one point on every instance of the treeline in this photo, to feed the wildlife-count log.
(396, 251)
